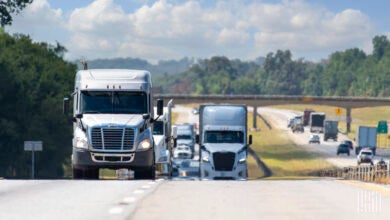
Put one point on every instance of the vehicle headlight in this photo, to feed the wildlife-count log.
(242, 160)
(144, 145)
(205, 159)
(81, 139)
(242, 155)
(205, 156)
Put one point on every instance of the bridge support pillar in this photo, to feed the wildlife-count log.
(348, 119)
(254, 117)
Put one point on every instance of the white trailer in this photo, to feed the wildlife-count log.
(365, 138)
(112, 117)
(223, 141)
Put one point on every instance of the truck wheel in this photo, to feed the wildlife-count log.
(77, 173)
(92, 174)
(147, 173)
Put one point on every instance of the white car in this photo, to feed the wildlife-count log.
(365, 156)
(182, 152)
(314, 139)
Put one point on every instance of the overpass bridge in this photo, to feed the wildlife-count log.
(256, 101)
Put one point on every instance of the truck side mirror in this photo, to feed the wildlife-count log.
(197, 138)
(174, 132)
(250, 139)
(160, 107)
(65, 106)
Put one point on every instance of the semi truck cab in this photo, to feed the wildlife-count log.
(223, 142)
(112, 117)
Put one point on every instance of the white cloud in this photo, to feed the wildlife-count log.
(170, 30)
(39, 21)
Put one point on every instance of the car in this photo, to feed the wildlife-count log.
(314, 138)
(182, 152)
(189, 169)
(298, 127)
(195, 111)
(343, 149)
(365, 156)
(349, 143)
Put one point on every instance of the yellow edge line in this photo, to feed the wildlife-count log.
(366, 186)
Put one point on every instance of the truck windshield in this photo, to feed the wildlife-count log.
(158, 127)
(117, 102)
(183, 136)
(224, 137)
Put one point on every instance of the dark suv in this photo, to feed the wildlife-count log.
(349, 143)
(343, 149)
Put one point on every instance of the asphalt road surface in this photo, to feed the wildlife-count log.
(305, 199)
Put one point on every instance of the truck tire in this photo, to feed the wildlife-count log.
(77, 173)
(92, 174)
(147, 173)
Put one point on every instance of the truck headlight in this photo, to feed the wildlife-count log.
(144, 145)
(205, 159)
(81, 139)
(242, 155)
(205, 156)
(81, 143)
(242, 160)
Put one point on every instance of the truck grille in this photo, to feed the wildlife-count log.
(112, 139)
(224, 161)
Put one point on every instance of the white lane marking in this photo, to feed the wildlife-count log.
(151, 183)
(116, 210)
(145, 187)
(129, 200)
(138, 191)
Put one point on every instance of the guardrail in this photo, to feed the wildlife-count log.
(375, 173)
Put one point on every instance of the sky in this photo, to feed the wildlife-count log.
(174, 29)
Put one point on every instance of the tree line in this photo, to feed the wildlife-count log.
(345, 73)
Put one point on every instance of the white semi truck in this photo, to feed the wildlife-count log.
(365, 139)
(162, 134)
(223, 141)
(112, 120)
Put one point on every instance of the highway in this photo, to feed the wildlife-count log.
(165, 199)
(304, 199)
(278, 118)
(71, 199)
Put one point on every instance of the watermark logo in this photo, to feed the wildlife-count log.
(369, 202)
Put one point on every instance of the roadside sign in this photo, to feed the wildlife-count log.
(382, 127)
(33, 145)
(339, 111)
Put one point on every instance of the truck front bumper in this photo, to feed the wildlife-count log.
(84, 159)
(208, 172)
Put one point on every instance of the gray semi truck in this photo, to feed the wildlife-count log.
(112, 122)
(223, 141)
(331, 129)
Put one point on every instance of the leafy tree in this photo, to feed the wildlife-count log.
(34, 79)
(8, 7)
